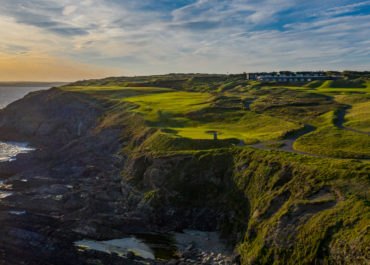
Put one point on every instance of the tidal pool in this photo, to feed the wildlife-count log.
(119, 246)
(148, 246)
(160, 246)
(9, 150)
(4, 194)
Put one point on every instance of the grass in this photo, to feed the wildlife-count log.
(358, 117)
(335, 142)
(270, 239)
(333, 87)
(159, 108)
(264, 195)
(357, 83)
(251, 126)
(177, 111)
(329, 140)
(115, 92)
(242, 110)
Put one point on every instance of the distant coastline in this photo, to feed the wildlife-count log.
(31, 84)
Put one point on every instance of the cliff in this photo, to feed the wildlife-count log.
(101, 172)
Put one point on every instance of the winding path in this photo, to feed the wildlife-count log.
(288, 143)
(340, 120)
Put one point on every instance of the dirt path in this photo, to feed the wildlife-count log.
(288, 144)
(340, 120)
(248, 102)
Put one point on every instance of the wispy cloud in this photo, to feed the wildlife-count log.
(158, 36)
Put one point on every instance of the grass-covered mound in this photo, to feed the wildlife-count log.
(357, 83)
(358, 117)
(331, 141)
(162, 142)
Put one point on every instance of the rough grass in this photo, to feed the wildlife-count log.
(357, 83)
(116, 92)
(329, 140)
(335, 87)
(161, 141)
(266, 195)
(335, 142)
(279, 186)
(358, 117)
(238, 109)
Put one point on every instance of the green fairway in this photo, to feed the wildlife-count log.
(155, 106)
(250, 128)
(173, 111)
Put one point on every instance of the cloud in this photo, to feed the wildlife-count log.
(345, 9)
(158, 36)
(69, 10)
(196, 25)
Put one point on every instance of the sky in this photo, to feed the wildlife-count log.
(67, 40)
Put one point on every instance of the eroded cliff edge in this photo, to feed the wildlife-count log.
(102, 173)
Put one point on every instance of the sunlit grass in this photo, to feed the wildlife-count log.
(358, 117)
(329, 140)
(274, 113)
(170, 111)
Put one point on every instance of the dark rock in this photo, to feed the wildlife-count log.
(130, 255)
(236, 259)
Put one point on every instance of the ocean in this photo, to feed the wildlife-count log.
(8, 150)
(10, 94)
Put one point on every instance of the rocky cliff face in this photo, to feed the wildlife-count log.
(275, 210)
(69, 188)
(92, 178)
(49, 118)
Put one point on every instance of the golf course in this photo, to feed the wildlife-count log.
(247, 113)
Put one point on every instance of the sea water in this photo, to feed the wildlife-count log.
(8, 150)
(11, 94)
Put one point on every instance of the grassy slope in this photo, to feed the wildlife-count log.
(273, 112)
(181, 113)
(329, 140)
(359, 117)
(282, 189)
(169, 111)
(263, 191)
